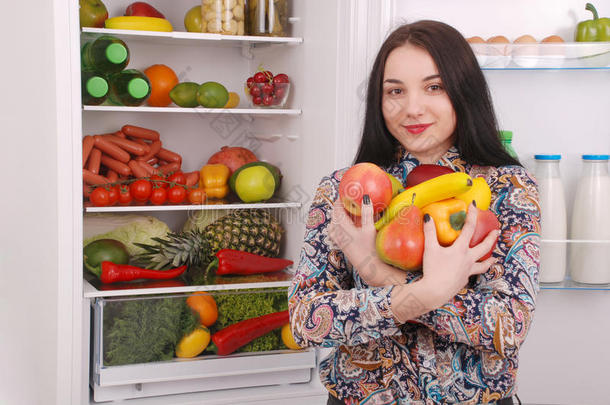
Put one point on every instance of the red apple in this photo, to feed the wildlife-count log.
(139, 8)
(486, 222)
(361, 179)
(401, 242)
(425, 172)
(92, 13)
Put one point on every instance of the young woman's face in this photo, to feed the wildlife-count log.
(415, 106)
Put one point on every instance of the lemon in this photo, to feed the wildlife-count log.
(185, 94)
(233, 100)
(212, 95)
(288, 339)
(255, 184)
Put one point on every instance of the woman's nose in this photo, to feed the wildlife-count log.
(414, 105)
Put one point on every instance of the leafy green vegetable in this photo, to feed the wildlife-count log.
(238, 305)
(128, 229)
(144, 330)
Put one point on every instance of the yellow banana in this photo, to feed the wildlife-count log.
(139, 23)
(429, 191)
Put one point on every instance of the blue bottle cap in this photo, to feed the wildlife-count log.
(595, 157)
(547, 157)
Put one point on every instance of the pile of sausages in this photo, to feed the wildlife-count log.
(132, 151)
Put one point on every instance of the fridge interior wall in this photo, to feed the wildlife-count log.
(549, 112)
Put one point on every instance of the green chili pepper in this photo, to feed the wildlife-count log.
(595, 30)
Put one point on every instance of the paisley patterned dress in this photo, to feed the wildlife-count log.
(464, 352)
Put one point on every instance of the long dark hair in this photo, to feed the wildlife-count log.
(476, 133)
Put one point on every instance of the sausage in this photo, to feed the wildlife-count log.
(113, 176)
(192, 178)
(129, 146)
(153, 161)
(169, 156)
(139, 132)
(93, 165)
(119, 134)
(169, 168)
(150, 170)
(111, 149)
(154, 148)
(136, 169)
(115, 165)
(88, 143)
(93, 179)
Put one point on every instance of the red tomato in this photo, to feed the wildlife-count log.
(268, 100)
(281, 78)
(268, 75)
(260, 77)
(178, 178)
(158, 196)
(255, 91)
(196, 196)
(124, 195)
(280, 92)
(100, 197)
(158, 183)
(140, 190)
(257, 100)
(267, 89)
(113, 195)
(176, 194)
(250, 82)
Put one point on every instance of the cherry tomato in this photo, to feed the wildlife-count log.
(281, 78)
(158, 183)
(255, 91)
(140, 190)
(257, 100)
(280, 91)
(196, 196)
(268, 100)
(113, 194)
(178, 178)
(125, 195)
(268, 75)
(176, 194)
(100, 197)
(260, 77)
(267, 89)
(250, 82)
(158, 196)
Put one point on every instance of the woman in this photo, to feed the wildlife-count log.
(427, 337)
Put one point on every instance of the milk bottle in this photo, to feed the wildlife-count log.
(553, 219)
(589, 254)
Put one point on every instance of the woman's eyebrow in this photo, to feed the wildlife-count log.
(395, 81)
(436, 76)
(425, 79)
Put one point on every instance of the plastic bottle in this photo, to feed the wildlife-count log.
(105, 55)
(553, 219)
(94, 88)
(590, 261)
(506, 137)
(129, 88)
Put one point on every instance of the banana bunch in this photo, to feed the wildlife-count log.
(139, 23)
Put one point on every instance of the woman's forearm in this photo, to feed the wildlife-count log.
(375, 272)
(409, 301)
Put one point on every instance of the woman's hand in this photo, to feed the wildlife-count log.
(446, 269)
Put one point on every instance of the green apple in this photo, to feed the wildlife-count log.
(255, 184)
(92, 13)
(192, 20)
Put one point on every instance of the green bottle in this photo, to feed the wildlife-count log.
(94, 88)
(105, 55)
(129, 88)
(506, 137)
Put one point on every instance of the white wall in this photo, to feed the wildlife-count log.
(28, 206)
(564, 358)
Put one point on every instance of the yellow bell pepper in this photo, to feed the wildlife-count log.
(214, 179)
(480, 192)
(449, 216)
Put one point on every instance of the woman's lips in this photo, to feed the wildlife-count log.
(416, 129)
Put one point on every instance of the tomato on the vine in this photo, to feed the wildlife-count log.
(268, 100)
(260, 77)
(257, 100)
(100, 197)
(140, 190)
(177, 177)
(125, 195)
(250, 82)
(113, 195)
(156, 183)
(255, 91)
(267, 89)
(176, 194)
(196, 196)
(158, 196)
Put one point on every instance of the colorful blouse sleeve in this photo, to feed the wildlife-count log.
(326, 308)
(496, 314)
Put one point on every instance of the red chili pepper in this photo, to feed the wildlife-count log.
(229, 261)
(231, 338)
(111, 273)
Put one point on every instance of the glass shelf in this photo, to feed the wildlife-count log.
(195, 207)
(568, 284)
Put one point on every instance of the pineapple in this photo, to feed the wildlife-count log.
(254, 231)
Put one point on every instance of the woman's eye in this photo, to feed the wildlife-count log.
(435, 87)
(395, 91)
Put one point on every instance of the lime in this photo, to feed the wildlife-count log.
(255, 184)
(212, 95)
(185, 94)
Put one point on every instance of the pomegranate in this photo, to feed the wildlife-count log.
(233, 157)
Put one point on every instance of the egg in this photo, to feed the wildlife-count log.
(498, 39)
(525, 51)
(475, 40)
(524, 39)
(552, 38)
(553, 53)
(498, 51)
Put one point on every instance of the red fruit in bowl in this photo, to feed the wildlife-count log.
(139, 8)
(365, 178)
(255, 91)
(257, 100)
(250, 82)
(267, 88)
(425, 172)
(268, 100)
(281, 78)
(260, 77)
(233, 157)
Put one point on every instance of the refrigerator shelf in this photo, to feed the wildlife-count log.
(194, 38)
(196, 110)
(568, 284)
(193, 207)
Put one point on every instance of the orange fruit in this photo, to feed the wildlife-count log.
(205, 306)
(162, 80)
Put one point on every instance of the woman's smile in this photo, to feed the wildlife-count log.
(416, 128)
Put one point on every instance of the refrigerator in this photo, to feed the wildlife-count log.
(556, 108)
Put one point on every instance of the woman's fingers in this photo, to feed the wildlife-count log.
(367, 216)
(482, 267)
(469, 225)
(486, 244)
(430, 241)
